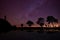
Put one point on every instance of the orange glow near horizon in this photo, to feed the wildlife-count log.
(36, 25)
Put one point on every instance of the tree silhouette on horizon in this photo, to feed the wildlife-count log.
(22, 27)
(51, 19)
(5, 26)
(40, 21)
(29, 23)
(56, 20)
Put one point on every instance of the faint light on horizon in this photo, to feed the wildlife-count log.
(36, 25)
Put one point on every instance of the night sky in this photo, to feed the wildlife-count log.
(19, 11)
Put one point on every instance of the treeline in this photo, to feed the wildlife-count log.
(5, 26)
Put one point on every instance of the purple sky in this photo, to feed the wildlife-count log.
(19, 11)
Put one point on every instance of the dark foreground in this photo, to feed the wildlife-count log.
(23, 35)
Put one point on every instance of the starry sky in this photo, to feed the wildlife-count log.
(19, 11)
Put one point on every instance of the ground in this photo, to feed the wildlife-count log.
(23, 35)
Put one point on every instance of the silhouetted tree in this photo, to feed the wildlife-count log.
(56, 20)
(5, 26)
(30, 23)
(41, 22)
(50, 19)
(22, 27)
